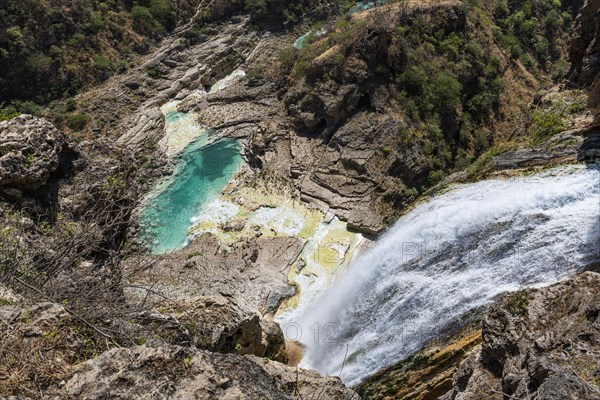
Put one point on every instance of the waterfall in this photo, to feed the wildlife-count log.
(446, 257)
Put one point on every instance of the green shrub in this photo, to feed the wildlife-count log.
(114, 185)
(482, 103)
(567, 18)
(144, 22)
(541, 47)
(508, 41)
(28, 107)
(414, 80)
(55, 51)
(101, 62)
(287, 56)
(528, 28)
(38, 64)
(194, 34)
(70, 104)
(6, 302)
(255, 6)
(451, 44)
(553, 21)
(545, 123)
(435, 177)
(515, 52)
(77, 121)
(578, 105)
(480, 141)
(518, 303)
(446, 92)
(15, 37)
(77, 40)
(526, 61)
(6, 114)
(483, 160)
(95, 23)
(559, 69)
(163, 13)
(475, 49)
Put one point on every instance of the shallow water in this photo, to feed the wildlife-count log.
(365, 5)
(201, 174)
(299, 43)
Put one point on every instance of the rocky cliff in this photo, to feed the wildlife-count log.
(584, 51)
(360, 120)
(540, 344)
(60, 342)
(33, 150)
(534, 344)
(584, 54)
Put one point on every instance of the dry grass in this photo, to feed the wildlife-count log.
(38, 353)
(294, 351)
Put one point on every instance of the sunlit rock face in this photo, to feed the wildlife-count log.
(31, 149)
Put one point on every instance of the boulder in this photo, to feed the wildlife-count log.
(219, 324)
(158, 370)
(31, 149)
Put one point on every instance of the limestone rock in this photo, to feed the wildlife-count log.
(538, 342)
(30, 151)
(220, 325)
(427, 373)
(253, 274)
(590, 148)
(158, 371)
(584, 51)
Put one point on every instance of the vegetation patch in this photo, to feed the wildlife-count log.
(78, 121)
(517, 303)
(52, 49)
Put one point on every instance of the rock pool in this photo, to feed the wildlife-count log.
(202, 172)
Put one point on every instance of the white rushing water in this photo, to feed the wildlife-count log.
(448, 256)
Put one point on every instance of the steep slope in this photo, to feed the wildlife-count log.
(372, 114)
(54, 48)
(541, 343)
(49, 333)
(584, 53)
(584, 48)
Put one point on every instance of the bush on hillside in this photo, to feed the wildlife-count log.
(78, 121)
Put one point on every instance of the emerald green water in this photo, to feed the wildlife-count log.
(201, 175)
(174, 116)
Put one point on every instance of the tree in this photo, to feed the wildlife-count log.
(144, 22)
(446, 92)
(163, 13)
(255, 6)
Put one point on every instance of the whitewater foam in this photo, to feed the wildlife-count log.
(448, 256)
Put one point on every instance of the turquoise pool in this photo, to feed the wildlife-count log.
(201, 174)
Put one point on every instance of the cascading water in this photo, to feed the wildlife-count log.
(445, 258)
